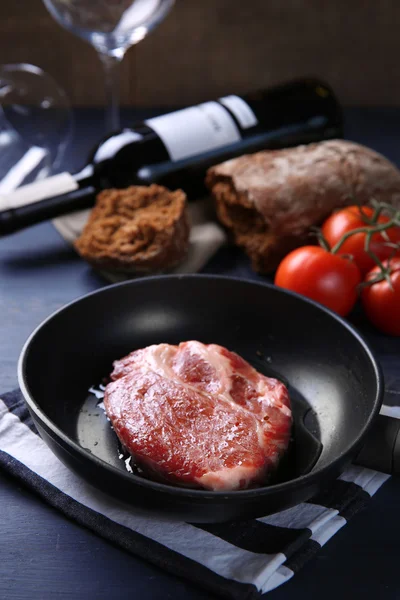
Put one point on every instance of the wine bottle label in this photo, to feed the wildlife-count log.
(241, 110)
(195, 130)
(39, 190)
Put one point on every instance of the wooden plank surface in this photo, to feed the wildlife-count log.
(213, 47)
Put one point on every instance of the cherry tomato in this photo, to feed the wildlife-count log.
(380, 302)
(350, 218)
(328, 278)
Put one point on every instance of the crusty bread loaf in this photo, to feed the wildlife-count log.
(269, 200)
(136, 230)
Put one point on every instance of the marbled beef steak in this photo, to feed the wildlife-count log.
(199, 415)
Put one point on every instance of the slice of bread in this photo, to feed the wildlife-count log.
(139, 229)
(270, 199)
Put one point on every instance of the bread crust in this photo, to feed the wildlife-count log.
(270, 199)
(140, 229)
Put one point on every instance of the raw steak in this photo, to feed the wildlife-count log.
(198, 415)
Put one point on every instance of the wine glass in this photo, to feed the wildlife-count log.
(111, 26)
(36, 126)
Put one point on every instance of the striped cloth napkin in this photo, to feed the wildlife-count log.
(240, 561)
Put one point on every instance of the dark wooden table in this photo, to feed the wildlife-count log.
(44, 556)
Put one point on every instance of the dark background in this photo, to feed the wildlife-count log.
(209, 47)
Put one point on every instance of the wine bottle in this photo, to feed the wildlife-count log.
(175, 149)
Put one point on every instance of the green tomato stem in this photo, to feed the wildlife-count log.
(394, 221)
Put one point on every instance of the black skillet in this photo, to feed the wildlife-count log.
(334, 381)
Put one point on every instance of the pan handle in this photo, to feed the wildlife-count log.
(381, 449)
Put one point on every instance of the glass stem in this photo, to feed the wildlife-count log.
(111, 76)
